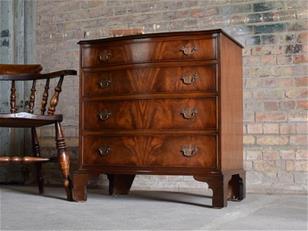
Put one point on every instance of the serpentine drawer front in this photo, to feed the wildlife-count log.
(167, 103)
(141, 51)
(144, 80)
(194, 114)
(147, 151)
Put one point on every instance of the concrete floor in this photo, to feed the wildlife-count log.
(22, 209)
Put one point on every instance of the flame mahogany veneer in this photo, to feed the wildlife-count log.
(167, 103)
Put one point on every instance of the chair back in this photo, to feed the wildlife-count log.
(17, 72)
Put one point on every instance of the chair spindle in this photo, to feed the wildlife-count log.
(32, 97)
(13, 98)
(55, 98)
(45, 97)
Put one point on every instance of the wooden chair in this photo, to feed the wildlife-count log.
(14, 119)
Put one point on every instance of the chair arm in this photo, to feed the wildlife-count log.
(24, 77)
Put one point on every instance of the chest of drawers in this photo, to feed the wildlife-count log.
(168, 103)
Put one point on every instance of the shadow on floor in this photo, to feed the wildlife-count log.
(166, 196)
(31, 191)
(174, 197)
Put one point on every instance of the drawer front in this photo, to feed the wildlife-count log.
(142, 51)
(150, 114)
(150, 151)
(149, 80)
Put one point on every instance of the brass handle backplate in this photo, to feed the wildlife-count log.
(189, 113)
(104, 150)
(189, 150)
(104, 115)
(104, 83)
(189, 79)
(105, 56)
(188, 50)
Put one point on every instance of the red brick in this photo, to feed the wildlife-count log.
(287, 154)
(299, 140)
(267, 50)
(272, 140)
(265, 166)
(270, 116)
(268, 59)
(301, 81)
(302, 128)
(271, 128)
(269, 94)
(271, 106)
(302, 154)
(301, 165)
(284, 59)
(302, 104)
(247, 139)
(271, 155)
(295, 93)
(287, 105)
(299, 116)
(251, 60)
(288, 129)
(303, 58)
(302, 37)
(275, 82)
(253, 155)
(290, 165)
(254, 128)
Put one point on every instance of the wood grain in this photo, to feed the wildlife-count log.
(231, 105)
(22, 159)
(151, 114)
(149, 80)
(144, 111)
(147, 50)
(9, 69)
(27, 120)
(163, 151)
(13, 73)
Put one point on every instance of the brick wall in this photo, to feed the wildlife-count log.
(274, 34)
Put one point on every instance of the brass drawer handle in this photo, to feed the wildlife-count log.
(189, 113)
(105, 56)
(188, 50)
(189, 150)
(104, 115)
(189, 79)
(104, 83)
(104, 150)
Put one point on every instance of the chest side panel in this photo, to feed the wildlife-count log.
(231, 105)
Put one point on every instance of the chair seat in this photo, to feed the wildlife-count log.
(27, 120)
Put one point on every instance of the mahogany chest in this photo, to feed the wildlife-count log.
(167, 103)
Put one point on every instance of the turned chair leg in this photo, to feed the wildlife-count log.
(37, 153)
(64, 160)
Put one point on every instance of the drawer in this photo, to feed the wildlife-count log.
(149, 80)
(151, 151)
(199, 113)
(146, 50)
